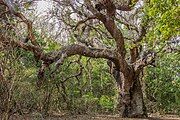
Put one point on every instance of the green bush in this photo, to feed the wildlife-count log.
(163, 84)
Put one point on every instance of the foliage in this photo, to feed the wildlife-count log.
(163, 19)
(163, 83)
(163, 80)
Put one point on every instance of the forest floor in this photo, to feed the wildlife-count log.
(92, 117)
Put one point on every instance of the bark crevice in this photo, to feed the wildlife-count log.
(131, 103)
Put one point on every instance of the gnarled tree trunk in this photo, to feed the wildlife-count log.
(131, 103)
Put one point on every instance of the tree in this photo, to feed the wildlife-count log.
(110, 29)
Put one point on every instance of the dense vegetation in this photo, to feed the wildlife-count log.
(35, 80)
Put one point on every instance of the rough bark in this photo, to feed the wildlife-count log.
(131, 103)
